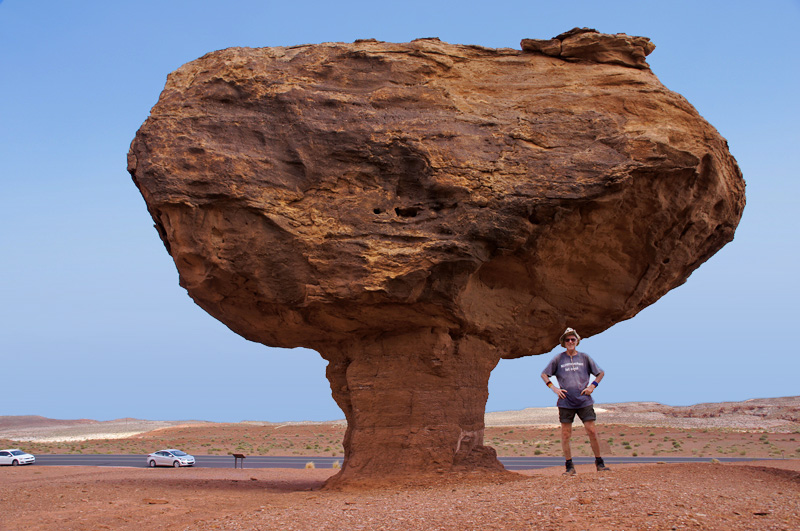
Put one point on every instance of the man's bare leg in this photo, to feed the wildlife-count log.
(566, 434)
(591, 430)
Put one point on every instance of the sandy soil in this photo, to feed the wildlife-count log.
(325, 440)
(754, 428)
(754, 495)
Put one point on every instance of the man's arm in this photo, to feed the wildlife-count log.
(592, 386)
(560, 392)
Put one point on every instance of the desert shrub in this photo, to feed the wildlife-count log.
(336, 464)
(310, 465)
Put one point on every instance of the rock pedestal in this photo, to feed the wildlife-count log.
(417, 211)
(413, 401)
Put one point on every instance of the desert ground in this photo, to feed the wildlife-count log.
(707, 495)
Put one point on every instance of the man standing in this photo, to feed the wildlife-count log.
(573, 370)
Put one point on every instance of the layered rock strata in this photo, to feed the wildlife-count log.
(416, 212)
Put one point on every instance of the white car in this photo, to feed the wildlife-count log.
(171, 457)
(16, 457)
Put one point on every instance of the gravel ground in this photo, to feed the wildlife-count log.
(662, 496)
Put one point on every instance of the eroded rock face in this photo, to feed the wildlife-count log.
(417, 211)
(584, 44)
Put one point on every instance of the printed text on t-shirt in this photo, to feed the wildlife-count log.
(572, 366)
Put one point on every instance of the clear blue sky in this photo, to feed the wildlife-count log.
(93, 323)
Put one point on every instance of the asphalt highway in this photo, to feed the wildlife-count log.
(260, 461)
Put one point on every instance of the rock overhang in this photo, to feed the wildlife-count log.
(392, 176)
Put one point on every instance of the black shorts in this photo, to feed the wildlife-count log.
(567, 415)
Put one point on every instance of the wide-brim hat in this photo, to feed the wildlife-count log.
(569, 332)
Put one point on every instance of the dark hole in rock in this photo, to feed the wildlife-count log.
(408, 212)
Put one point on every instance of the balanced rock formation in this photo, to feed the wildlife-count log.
(416, 212)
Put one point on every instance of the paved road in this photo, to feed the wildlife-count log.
(255, 461)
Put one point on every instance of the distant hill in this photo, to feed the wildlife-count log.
(781, 414)
(776, 414)
(35, 421)
(43, 429)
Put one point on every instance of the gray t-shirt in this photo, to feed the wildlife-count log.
(573, 375)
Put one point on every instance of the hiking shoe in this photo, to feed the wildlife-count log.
(601, 467)
(570, 471)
